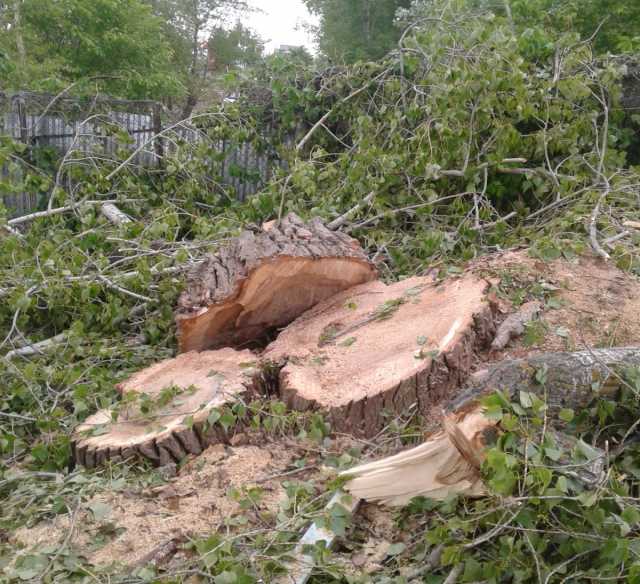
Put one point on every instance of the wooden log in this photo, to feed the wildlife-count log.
(377, 348)
(168, 419)
(265, 279)
(573, 379)
(449, 460)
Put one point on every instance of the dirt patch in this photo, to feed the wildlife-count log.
(196, 502)
(588, 303)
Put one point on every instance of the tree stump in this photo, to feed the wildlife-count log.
(378, 348)
(167, 417)
(264, 280)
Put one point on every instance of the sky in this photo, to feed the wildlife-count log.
(280, 23)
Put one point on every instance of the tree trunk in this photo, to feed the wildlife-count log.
(170, 417)
(17, 23)
(377, 348)
(263, 280)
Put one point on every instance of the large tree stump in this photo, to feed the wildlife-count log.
(264, 280)
(168, 417)
(378, 348)
(449, 460)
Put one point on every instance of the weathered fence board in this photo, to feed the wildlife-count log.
(71, 124)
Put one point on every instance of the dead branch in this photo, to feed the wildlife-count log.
(514, 325)
(37, 348)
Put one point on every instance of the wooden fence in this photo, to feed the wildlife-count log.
(71, 124)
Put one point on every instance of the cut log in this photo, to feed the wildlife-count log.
(573, 380)
(165, 411)
(448, 462)
(378, 348)
(264, 280)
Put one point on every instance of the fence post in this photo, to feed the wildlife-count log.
(21, 113)
(157, 128)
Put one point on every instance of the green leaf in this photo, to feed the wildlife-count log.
(100, 510)
(566, 415)
(588, 498)
(553, 453)
(213, 417)
(525, 399)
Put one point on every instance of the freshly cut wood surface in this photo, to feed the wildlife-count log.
(264, 280)
(184, 390)
(447, 463)
(378, 348)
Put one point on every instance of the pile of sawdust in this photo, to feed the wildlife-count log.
(194, 503)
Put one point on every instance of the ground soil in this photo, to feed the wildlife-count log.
(589, 303)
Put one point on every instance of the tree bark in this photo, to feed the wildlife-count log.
(263, 280)
(573, 380)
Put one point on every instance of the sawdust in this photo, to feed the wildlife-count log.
(589, 303)
(196, 502)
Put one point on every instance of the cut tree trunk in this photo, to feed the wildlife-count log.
(165, 409)
(449, 460)
(573, 380)
(378, 349)
(264, 280)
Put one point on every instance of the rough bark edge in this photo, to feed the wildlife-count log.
(174, 446)
(570, 377)
(428, 388)
(219, 279)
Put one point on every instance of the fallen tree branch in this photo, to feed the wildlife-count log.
(60, 210)
(115, 215)
(117, 288)
(327, 115)
(340, 221)
(37, 348)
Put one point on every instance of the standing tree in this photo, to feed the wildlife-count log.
(192, 21)
(237, 47)
(352, 30)
(51, 43)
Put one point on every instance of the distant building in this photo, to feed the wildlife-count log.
(286, 49)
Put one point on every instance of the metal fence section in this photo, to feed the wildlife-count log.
(69, 125)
